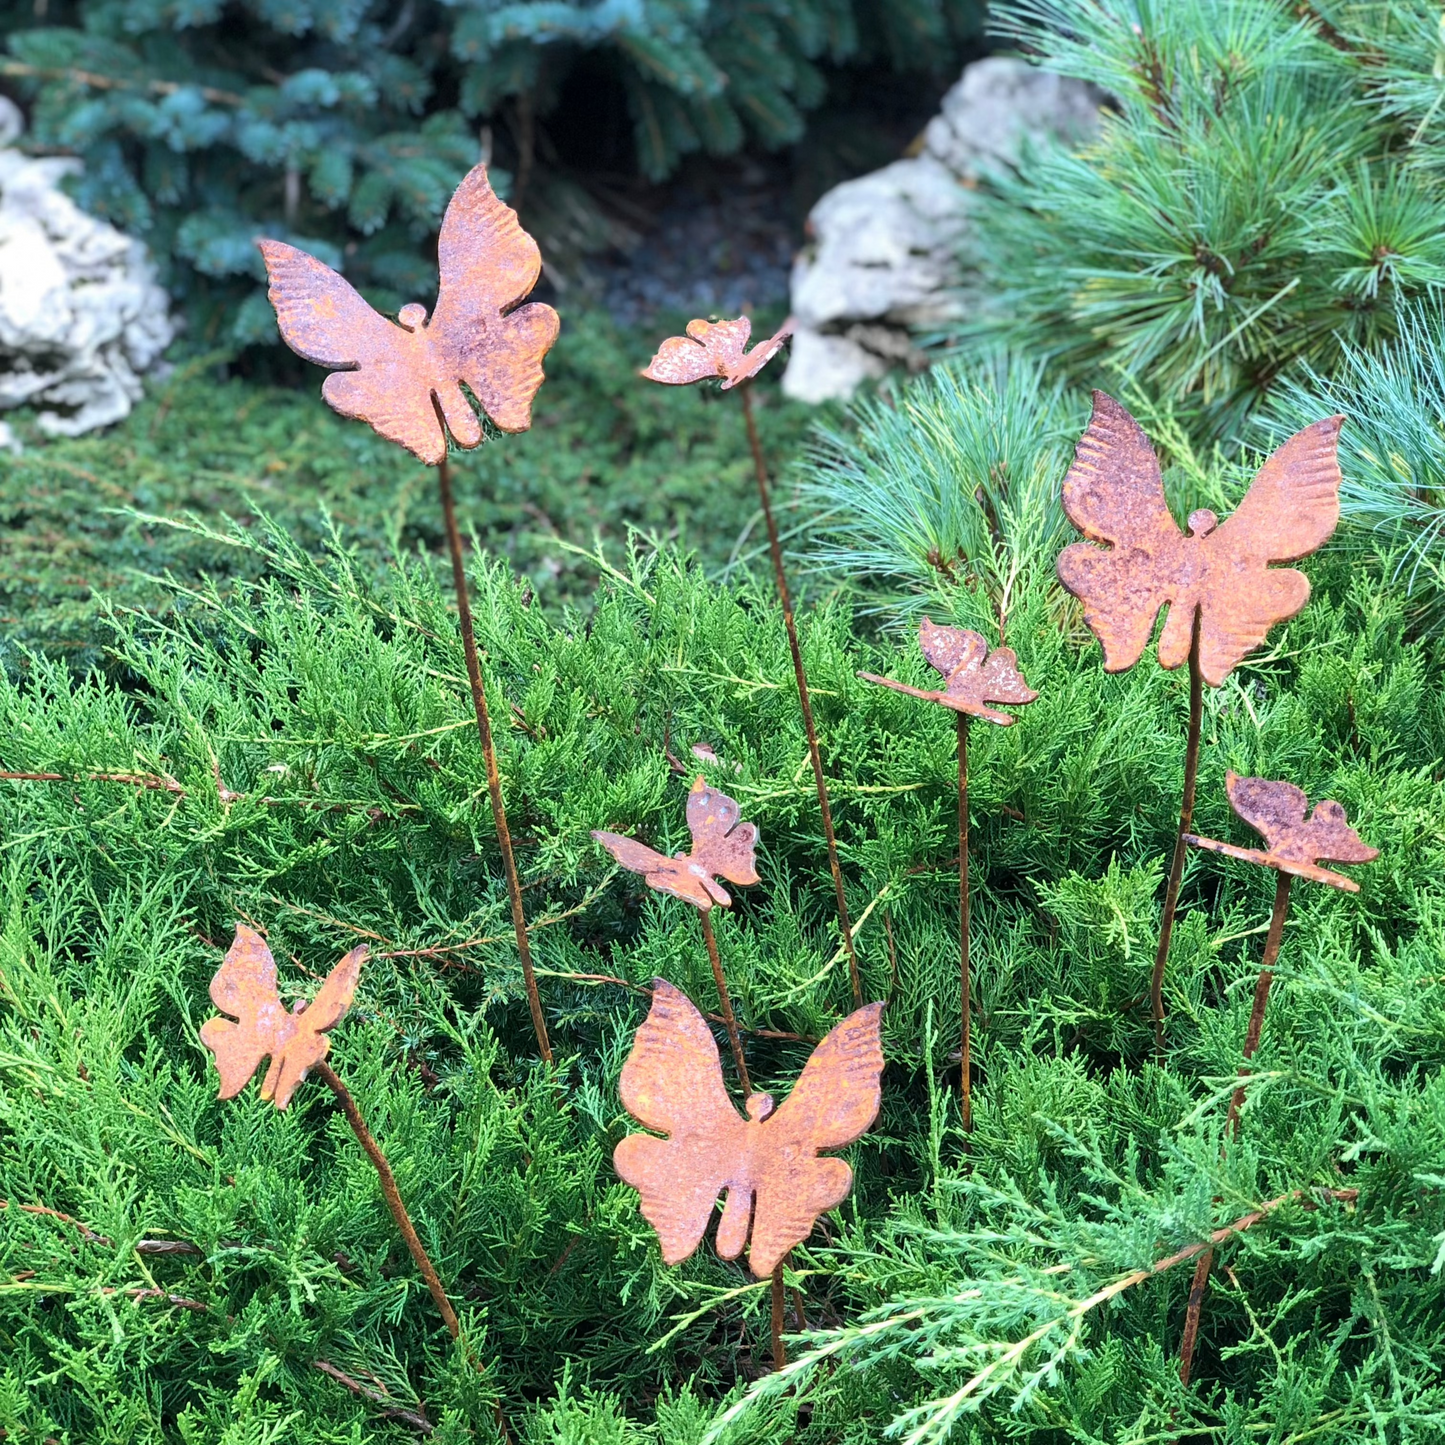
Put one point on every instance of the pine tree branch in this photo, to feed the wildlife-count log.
(21, 70)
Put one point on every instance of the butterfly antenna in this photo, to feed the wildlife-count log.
(800, 673)
(489, 754)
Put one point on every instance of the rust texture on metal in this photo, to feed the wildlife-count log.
(1114, 493)
(972, 675)
(260, 1026)
(768, 1163)
(404, 378)
(722, 847)
(714, 350)
(1295, 843)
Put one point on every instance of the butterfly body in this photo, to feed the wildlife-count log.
(1295, 843)
(722, 846)
(973, 677)
(714, 350)
(1218, 574)
(405, 378)
(767, 1163)
(260, 1025)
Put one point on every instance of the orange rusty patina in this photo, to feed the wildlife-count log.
(767, 1162)
(722, 847)
(259, 1025)
(1276, 811)
(713, 350)
(1222, 571)
(405, 378)
(972, 675)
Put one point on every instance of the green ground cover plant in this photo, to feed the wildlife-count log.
(316, 727)
(606, 453)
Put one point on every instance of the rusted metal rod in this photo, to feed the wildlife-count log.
(489, 753)
(729, 1018)
(1282, 881)
(965, 1052)
(392, 1197)
(1186, 817)
(780, 1354)
(800, 673)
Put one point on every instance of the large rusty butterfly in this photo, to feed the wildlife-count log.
(973, 676)
(722, 847)
(245, 988)
(405, 378)
(1293, 843)
(713, 349)
(768, 1163)
(1220, 571)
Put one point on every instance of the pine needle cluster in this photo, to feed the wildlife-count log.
(1265, 191)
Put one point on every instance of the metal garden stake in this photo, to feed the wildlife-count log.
(722, 847)
(258, 1025)
(405, 380)
(1276, 811)
(973, 677)
(768, 1162)
(715, 351)
(1215, 577)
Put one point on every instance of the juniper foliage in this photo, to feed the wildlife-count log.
(1264, 193)
(311, 734)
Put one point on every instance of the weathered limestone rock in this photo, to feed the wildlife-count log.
(81, 315)
(883, 263)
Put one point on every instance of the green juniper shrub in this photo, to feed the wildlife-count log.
(312, 734)
(1265, 190)
(606, 453)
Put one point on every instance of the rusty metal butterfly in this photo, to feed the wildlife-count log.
(1276, 811)
(405, 378)
(973, 676)
(259, 1025)
(1114, 493)
(768, 1163)
(722, 847)
(713, 349)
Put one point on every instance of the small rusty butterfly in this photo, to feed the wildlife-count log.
(1219, 571)
(768, 1162)
(973, 676)
(260, 1026)
(1294, 843)
(713, 350)
(722, 847)
(405, 378)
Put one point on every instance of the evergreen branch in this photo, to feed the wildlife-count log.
(416, 1419)
(70, 75)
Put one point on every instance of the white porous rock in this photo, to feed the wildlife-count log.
(81, 316)
(883, 263)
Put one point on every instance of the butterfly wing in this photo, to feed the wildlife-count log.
(666, 875)
(672, 1083)
(482, 336)
(1001, 681)
(833, 1103)
(950, 649)
(710, 349)
(748, 366)
(322, 318)
(721, 844)
(1328, 835)
(1114, 493)
(1273, 808)
(245, 988)
(308, 1045)
(1291, 509)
